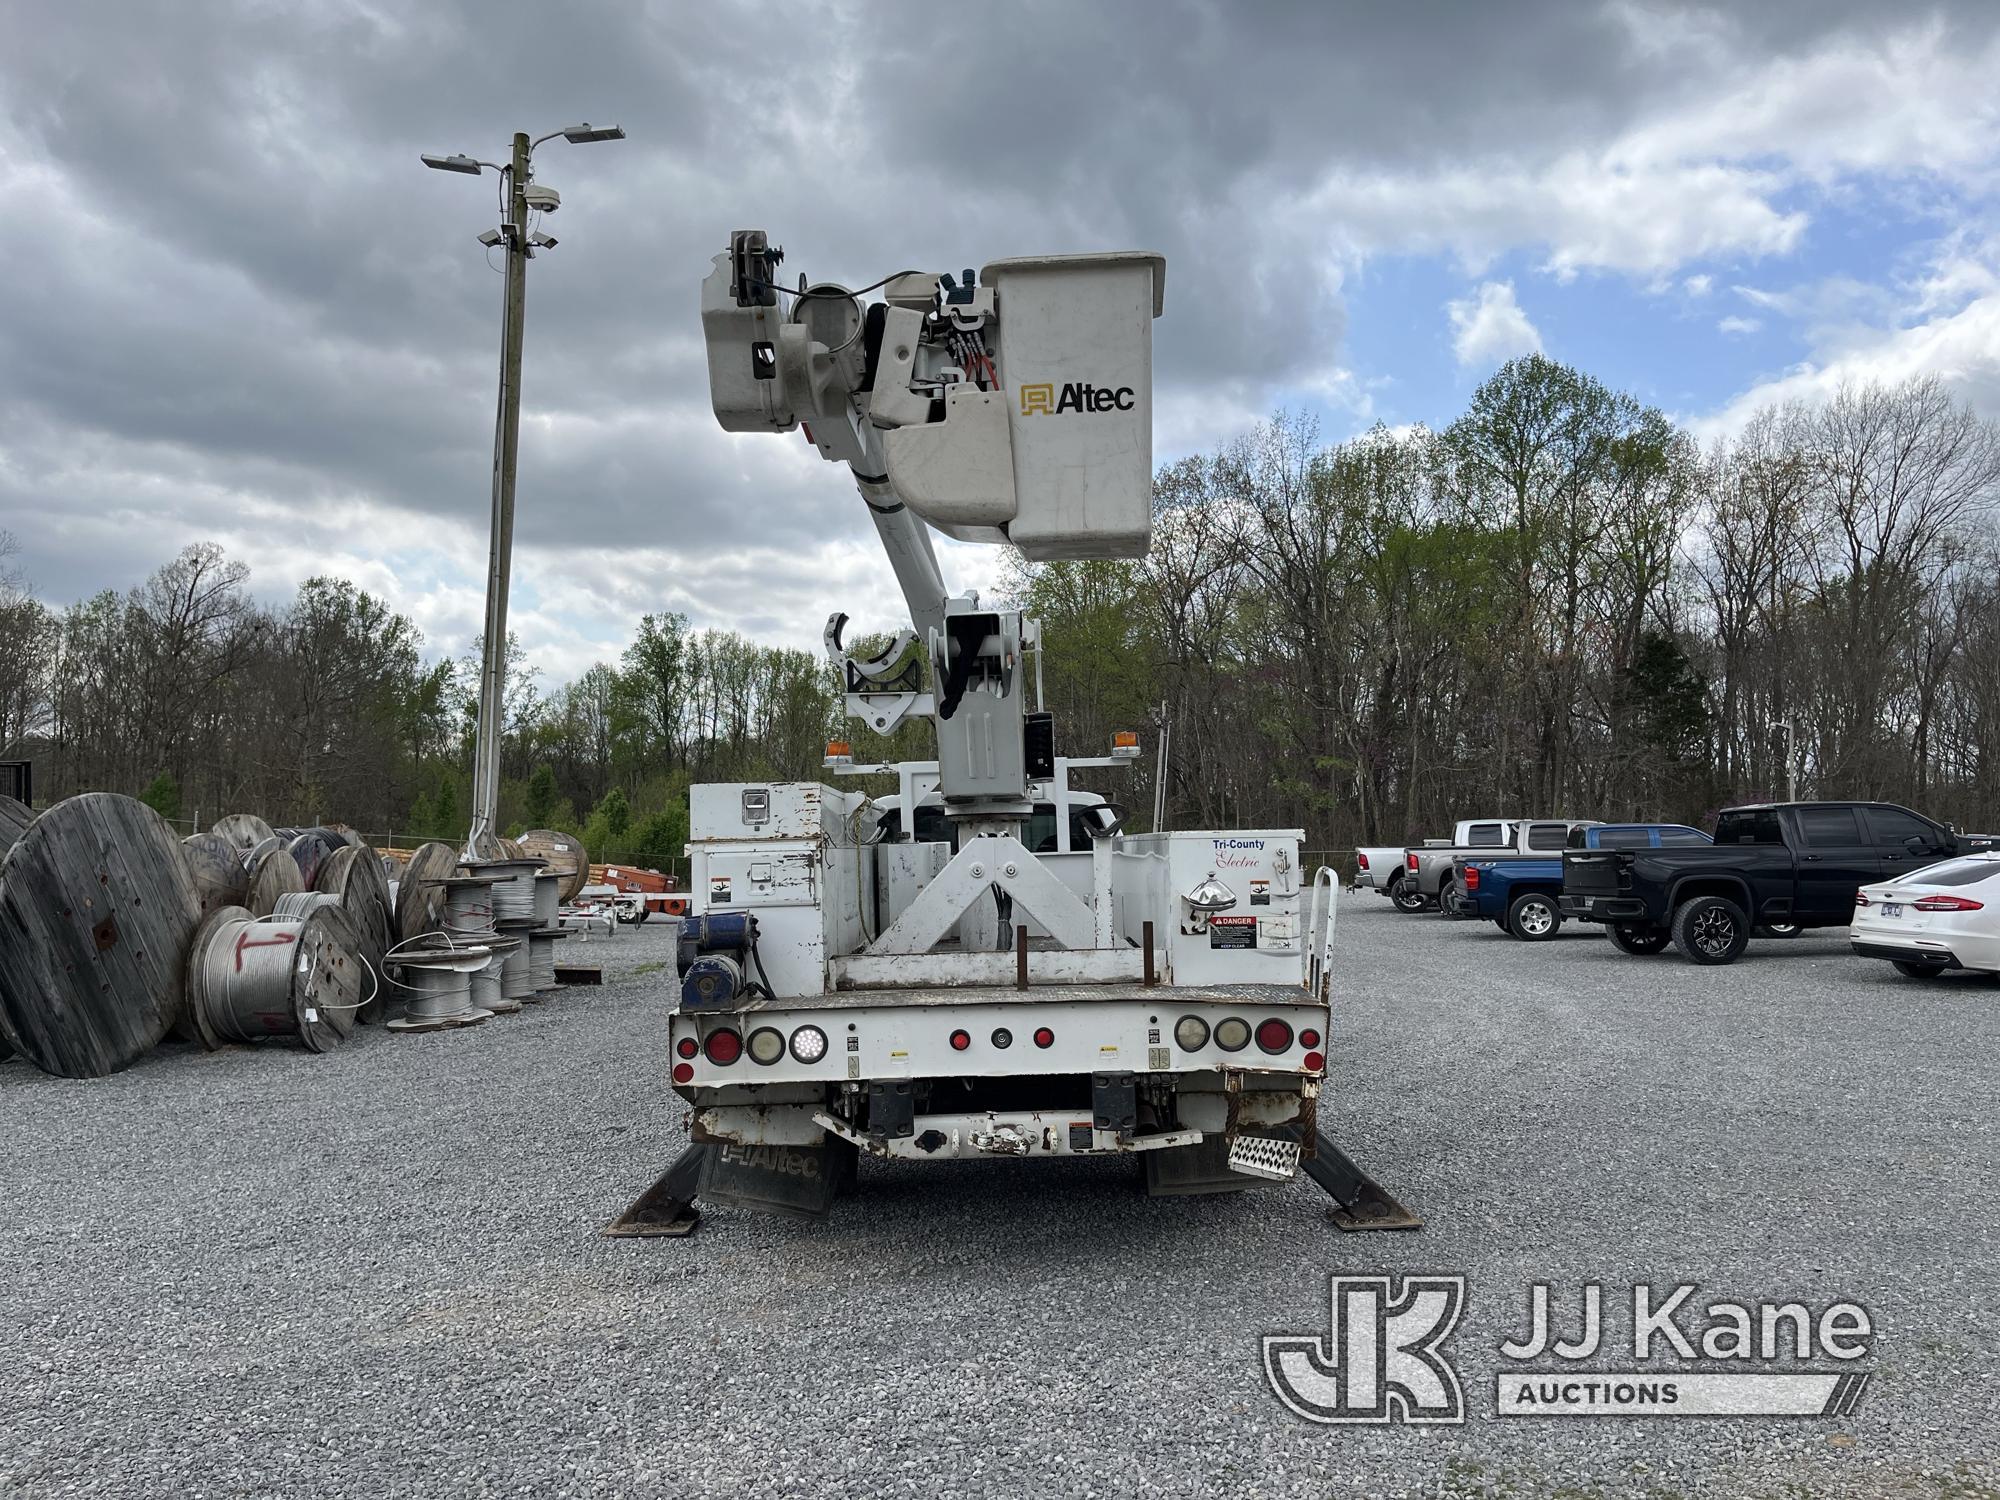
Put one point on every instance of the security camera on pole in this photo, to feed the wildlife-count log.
(521, 199)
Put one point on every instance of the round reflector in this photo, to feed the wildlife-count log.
(683, 1072)
(1044, 1037)
(687, 1046)
(766, 1046)
(809, 1044)
(1314, 1062)
(1232, 1035)
(723, 1047)
(1191, 1033)
(960, 1040)
(1274, 1035)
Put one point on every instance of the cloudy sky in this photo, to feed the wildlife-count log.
(237, 309)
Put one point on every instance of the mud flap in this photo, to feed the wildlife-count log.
(1179, 1171)
(797, 1180)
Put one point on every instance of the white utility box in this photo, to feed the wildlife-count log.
(1261, 938)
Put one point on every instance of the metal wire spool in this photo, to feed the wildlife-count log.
(273, 875)
(561, 854)
(516, 983)
(486, 988)
(436, 984)
(96, 908)
(513, 887)
(296, 980)
(298, 905)
(419, 898)
(15, 816)
(216, 867)
(254, 855)
(542, 958)
(548, 898)
(245, 831)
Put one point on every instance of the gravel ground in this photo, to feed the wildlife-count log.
(377, 1273)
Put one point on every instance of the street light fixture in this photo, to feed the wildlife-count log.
(518, 198)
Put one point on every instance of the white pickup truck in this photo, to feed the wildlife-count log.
(1381, 870)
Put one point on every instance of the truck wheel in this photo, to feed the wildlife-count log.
(1638, 940)
(1404, 895)
(1917, 970)
(1533, 918)
(1447, 893)
(1778, 930)
(1711, 930)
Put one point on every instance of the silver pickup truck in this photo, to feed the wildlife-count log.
(1430, 866)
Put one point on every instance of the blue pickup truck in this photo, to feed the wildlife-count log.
(1522, 893)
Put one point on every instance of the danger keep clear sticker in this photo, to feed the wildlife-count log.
(1232, 932)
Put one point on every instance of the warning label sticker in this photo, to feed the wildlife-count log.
(1260, 893)
(718, 888)
(1232, 932)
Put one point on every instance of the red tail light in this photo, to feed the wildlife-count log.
(1861, 898)
(960, 1040)
(1274, 1035)
(1471, 878)
(1948, 903)
(1410, 860)
(687, 1046)
(723, 1047)
(1044, 1037)
(1308, 1038)
(1362, 857)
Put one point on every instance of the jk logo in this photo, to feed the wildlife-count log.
(1379, 1362)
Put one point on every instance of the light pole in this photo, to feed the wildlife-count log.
(519, 199)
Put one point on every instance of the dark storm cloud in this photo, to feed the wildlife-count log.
(235, 296)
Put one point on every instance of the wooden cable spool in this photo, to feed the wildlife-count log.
(245, 830)
(96, 909)
(216, 867)
(295, 980)
(274, 873)
(354, 877)
(420, 895)
(15, 816)
(561, 854)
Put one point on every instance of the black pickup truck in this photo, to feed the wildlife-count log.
(1787, 864)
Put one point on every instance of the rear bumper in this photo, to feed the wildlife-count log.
(1604, 908)
(1909, 953)
(1462, 905)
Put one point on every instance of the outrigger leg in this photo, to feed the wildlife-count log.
(666, 1209)
(1363, 1204)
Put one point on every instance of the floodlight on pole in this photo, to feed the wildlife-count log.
(517, 199)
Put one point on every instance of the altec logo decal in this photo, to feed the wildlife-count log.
(1079, 395)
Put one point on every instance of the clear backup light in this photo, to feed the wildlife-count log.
(808, 1044)
(1233, 1034)
(1191, 1033)
(766, 1046)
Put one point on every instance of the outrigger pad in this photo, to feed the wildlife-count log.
(1363, 1203)
(666, 1209)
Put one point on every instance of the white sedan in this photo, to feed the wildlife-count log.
(1944, 916)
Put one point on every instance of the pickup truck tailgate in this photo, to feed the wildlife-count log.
(1595, 872)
